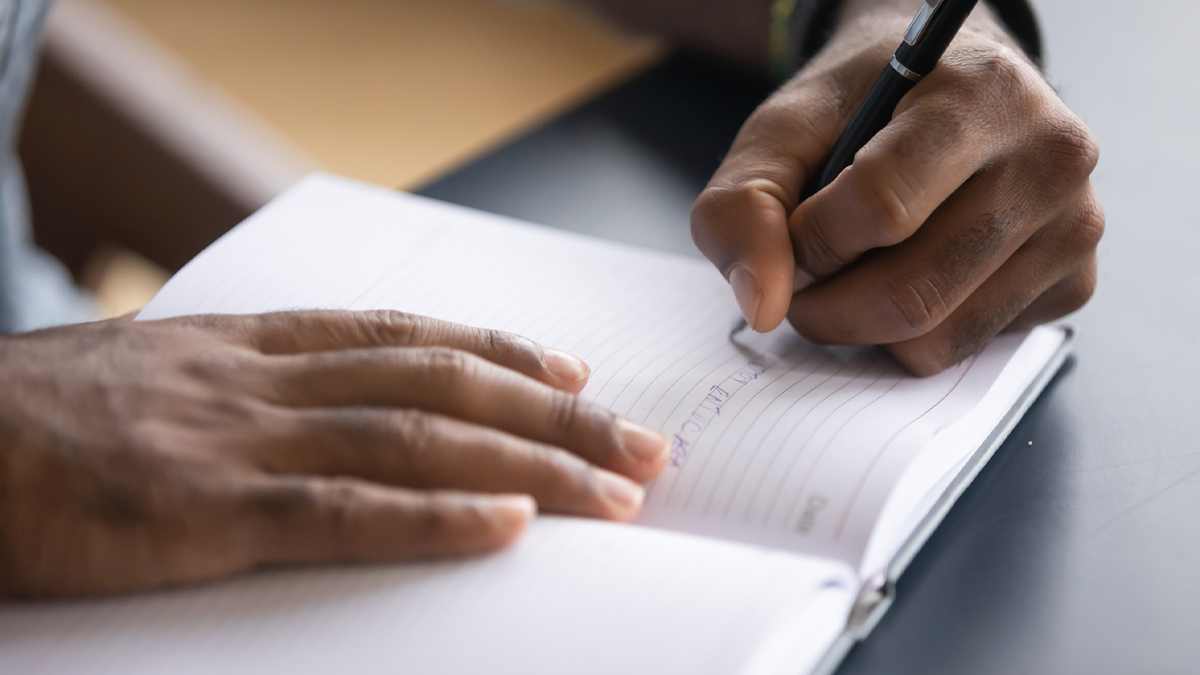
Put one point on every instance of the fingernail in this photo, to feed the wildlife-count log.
(565, 367)
(646, 445)
(801, 280)
(745, 289)
(620, 491)
(515, 507)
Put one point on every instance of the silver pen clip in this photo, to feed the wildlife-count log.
(919, 22)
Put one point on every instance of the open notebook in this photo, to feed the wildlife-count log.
(802, 478)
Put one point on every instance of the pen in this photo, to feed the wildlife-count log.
(927, 37)
(930, 33)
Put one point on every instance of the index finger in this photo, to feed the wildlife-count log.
(944, 132)
(462, 386)
(309, 331)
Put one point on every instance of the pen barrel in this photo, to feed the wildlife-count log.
(922, 56)
(874, 114)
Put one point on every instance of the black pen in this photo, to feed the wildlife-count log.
(927, 37)
(930, 33)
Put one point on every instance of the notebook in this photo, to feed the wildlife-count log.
(802, 479)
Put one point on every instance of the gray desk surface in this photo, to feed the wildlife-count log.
(1078, 548)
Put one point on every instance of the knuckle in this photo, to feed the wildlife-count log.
(1068, 148)
(505, 347)
(420, 444)
(944, 127)
(564, 412)
(337, 499)
(1078, 233)
(999, 78)
(885, 196)
(431, 518)
(450, 369)
(990, 84)
(239, 411)
(721, 212)
(1088, 226)
(919, 304)
(712, 213)
(810, 120)
(982, 78)
(221, 366)
(391, 327)
(1005, 70)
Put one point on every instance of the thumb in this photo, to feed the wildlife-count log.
(740, 220)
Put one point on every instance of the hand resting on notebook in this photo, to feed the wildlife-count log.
(972, 211)
(138, 455)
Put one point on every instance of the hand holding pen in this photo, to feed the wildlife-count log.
(969, 210)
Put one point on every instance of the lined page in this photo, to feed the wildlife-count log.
(808, 452)
(571, 596)
(775, 441)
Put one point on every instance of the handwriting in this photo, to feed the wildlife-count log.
(710, 408)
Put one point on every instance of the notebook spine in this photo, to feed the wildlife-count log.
(872, 604)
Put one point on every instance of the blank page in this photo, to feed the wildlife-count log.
(775, 441)
(572, 596)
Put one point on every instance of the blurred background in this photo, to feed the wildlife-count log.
(154, 121)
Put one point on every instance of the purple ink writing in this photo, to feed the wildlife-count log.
(709, 408)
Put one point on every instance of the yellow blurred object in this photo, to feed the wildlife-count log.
(395, 92)
(121, 280)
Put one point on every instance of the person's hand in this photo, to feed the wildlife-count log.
(972, 211)
(136, 455)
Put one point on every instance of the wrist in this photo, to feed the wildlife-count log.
(1007, 22)
(982, 22)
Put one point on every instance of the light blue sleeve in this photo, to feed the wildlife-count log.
(35, 290)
